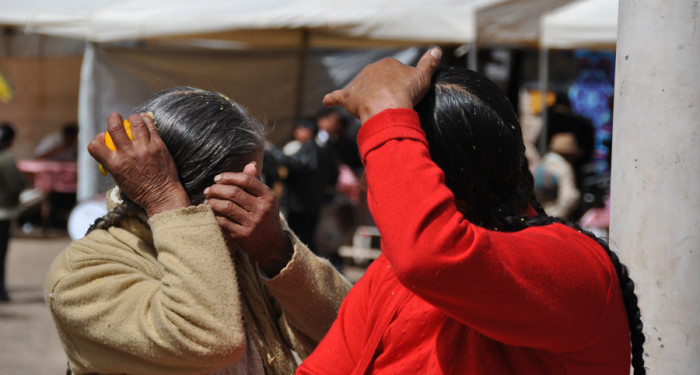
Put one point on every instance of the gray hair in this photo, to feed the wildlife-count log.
(205, 132)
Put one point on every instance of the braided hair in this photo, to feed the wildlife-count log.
(205, 132)
(475, 138)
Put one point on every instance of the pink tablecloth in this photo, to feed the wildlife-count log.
(51, 176)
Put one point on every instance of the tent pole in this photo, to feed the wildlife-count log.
(544, 83)
(301, 77)
(88, 178)
(472, 58)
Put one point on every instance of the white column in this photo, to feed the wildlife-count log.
(655, 212)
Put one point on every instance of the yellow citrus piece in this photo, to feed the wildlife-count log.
(110, 143)
(108, 138)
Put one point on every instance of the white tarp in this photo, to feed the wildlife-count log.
(242, 58)
(430, 21)
(583, 24)
(513, 22)
(116, 79)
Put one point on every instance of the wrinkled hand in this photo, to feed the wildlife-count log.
(248, 212)
(386, 84)
(143, 168)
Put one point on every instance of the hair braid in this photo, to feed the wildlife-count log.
(125, 209)
(634, 315)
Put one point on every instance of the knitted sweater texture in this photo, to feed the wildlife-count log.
(166, 297)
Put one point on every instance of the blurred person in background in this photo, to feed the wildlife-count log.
(555, 179)
(309, 183)
(60, 147)
(11, 185)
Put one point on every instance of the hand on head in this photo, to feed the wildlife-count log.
(248, 212)
(386, 84)
(142, 168)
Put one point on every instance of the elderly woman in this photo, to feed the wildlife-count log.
(181, 277)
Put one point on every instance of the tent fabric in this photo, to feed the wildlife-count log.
(513, 22)
(247, 35)
(427, 21)
(117, 79)
(252, 51)
(583, 24)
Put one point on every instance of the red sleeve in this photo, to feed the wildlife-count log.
(539, 287)
(341, 348)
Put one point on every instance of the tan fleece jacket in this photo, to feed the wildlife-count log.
(169, 299)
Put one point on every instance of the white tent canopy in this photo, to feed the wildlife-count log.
(266, 54)
(583, 24)
(513, 22)
(263, 53)
(447, 21)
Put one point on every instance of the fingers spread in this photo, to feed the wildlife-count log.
(230, 193)
(115, 127)
(249, 183)
(229, 210)
(430, 61)
(334, 98)
(97, 147)
(139, 128)
(251, 169)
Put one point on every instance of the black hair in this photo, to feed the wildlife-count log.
(308, 123)
(475, 138)
(205, 132)
(7, 135)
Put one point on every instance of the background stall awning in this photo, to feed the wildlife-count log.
(583, 24)
(446, 21)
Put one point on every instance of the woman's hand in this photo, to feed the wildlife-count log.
(386, 84)
(248, 212)
(142, 168)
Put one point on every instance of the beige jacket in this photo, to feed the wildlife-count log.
(165, 297)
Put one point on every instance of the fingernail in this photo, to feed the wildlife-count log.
(436, 52)
(207, 189)
(217, 178)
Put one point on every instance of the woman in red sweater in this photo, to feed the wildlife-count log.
(474, 277)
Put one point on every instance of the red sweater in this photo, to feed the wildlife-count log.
(449, 297)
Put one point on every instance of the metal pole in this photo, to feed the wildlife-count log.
(472, 58)
(544, 87)
(301, 77)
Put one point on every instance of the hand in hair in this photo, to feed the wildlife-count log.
(248, 212)
(386, 84)
(143, 168)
